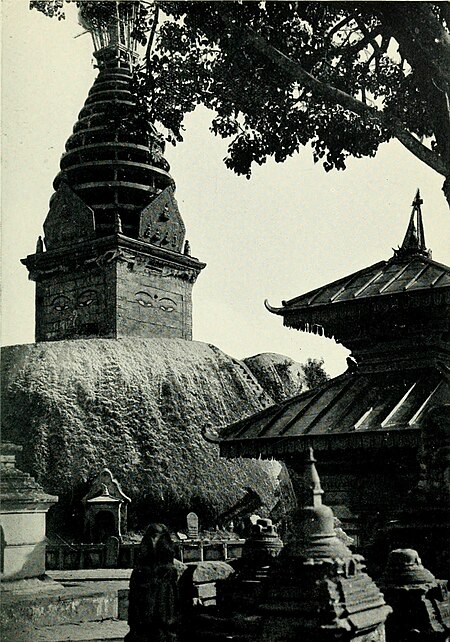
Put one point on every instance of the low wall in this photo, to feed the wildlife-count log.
(204, 578)
(84, 556)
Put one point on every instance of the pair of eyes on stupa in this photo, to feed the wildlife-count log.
(84, 300)
(147, 300)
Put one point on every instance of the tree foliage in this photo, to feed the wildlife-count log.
(314, 373)
(343, 77)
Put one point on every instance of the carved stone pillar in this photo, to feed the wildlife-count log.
(22, 519)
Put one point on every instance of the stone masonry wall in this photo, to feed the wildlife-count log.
(150, 304)
(76, 304)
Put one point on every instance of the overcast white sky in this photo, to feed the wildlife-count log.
(289, 229)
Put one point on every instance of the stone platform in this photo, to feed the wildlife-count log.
(91, 575)
(84, 606)
(103, 631)
(80, 606)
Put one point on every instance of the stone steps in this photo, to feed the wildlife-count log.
(104, 631)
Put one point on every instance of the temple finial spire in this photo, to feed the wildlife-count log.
(414, 241)
(312, 480)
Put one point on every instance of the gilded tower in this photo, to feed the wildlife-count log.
(114, 261)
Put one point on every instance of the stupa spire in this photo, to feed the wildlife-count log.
(112, 26)
(328, 590)
(113, 264)
(414, 241)
(313, 533)
(312, 481)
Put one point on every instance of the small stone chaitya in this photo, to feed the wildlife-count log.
(420, 602)
(319, 589)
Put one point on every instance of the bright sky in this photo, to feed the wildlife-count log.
(289, 229)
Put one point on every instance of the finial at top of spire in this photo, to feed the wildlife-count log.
(312, 480)
(414, 241)
(113, 27)
(415, 237)
(417, 202)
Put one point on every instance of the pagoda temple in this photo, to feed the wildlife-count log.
(382, 427)
(113, 261)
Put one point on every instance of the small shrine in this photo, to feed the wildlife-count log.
(319, 588)
(113, 261)
(106, 507)
(24, 506)
(242, 592)
(420, 602)
(373, 425)
(314, 588)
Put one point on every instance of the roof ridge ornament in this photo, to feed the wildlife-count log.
(414, 241)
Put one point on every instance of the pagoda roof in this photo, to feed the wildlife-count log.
(385, 277)
(359, 409)
(410, 270)
(400, 371)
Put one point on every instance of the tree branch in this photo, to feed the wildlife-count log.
(433, 43)
(338, 26)
(298, 73)
(151, 37)
(428, 54)
(367, 39)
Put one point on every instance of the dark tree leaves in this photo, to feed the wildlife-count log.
(343, 77)
(314, 372)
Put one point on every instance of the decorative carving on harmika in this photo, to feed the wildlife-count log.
(185, 274)
(69, 219)
(161, 223)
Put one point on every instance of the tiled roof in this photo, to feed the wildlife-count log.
(386, 277)
(382, 405)
(409, 270)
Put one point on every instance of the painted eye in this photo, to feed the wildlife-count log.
(167, 305)
(61, 303)
(144, 299)
(86, 298)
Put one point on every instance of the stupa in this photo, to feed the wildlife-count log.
(420, 602)
(114, 279)
(113, 261)
(319, 589)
